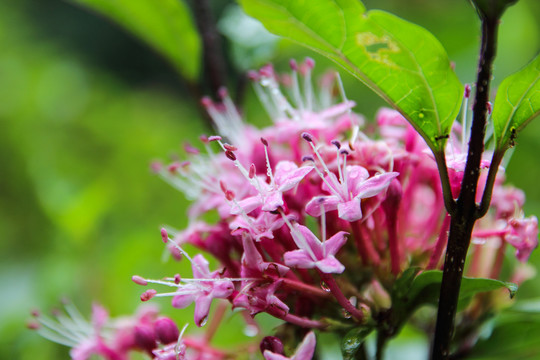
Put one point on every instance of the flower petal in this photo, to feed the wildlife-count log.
(375, 185)
(314, 206)
(299, 259)
(330, 265)
(335, 243)
(288, 175)
(350, 210)
(306, 349)
(202, 307)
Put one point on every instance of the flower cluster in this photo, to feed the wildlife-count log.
(112, 339)
(320, 212)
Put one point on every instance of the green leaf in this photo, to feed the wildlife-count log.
(426, 286)
(517, 102)
(400, 61)
(512, 337)
(165, 25)
(353, 340)
(409, 292)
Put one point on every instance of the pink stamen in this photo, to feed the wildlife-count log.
(139, 280)
(148, 294)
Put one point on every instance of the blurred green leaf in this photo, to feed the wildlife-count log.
(165, 25)
(353, 340)
(517, 102)
(402, 62)
(512, 337)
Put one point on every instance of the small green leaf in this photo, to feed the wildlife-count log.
(165, 25)
(353, 340)
(402, 62)
(517, 102)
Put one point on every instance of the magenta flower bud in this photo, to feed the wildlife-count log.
(156, 166)
(467, 91)
(33, 325)
(267, 71)
(252, 75)
(145, 338)
(310, 63)
(148, 294)
(336, 143)
(164, 235)
(166, 331)
(222, 92)
(230, 155)
(139, 280)
(190, 149)
(273, 344)
(293, 65)
(206, 102)
(307, 136)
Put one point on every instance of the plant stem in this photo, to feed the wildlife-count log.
(340, 297)
(466, 211)
(214, 63)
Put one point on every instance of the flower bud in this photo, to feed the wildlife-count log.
(166, 331)
(273, 344)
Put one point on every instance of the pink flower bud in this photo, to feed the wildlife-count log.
(145, 338)
(166, 330)
(273, 344)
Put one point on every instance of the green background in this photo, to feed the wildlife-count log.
(85, 107)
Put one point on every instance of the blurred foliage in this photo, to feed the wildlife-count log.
(84, 108)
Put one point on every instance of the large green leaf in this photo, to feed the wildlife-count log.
(165, 25)
(517, 102)
(400, 61)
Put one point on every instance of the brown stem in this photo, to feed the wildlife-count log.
(466, 212)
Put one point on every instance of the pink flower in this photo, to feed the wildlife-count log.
(347, 192)
(200, 291)
(304, 351)
(523, 236)
(313, 253)
(270, 196)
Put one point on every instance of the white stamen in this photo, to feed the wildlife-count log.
(305, 246)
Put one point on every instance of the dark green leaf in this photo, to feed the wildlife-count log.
(165, 25)
(517, 102)
(353, 340)
(400, 61)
